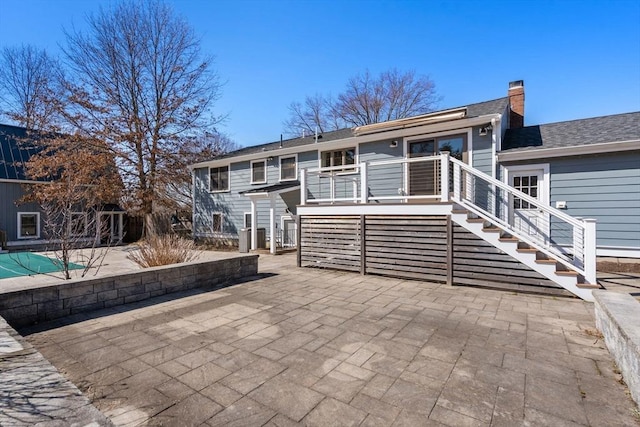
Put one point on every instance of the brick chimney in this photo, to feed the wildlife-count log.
(516, 101)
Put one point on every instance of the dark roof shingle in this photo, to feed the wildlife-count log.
(619, 127)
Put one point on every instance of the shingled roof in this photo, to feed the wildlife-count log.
(16, 148)
(473, 110)
(615, 128)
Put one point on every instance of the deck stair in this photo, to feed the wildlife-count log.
(542, 263)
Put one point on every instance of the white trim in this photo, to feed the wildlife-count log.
(295, 156)
(415, 138)
(37, 236)
(377, 209)
(544, 190)
(342, 170)
(228, 189)
(284, 218)
(578, 150)
(264, 163)
(454, 126)
(617, 252)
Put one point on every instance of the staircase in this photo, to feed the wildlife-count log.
(559, 247)
(538, 261)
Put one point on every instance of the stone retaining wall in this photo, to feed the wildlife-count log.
(29, 306)
(618, 318)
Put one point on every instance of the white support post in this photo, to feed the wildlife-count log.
(332, 187)
(254, 226)
(444, 176)
(272, 224)
(456, 182)
(120, 225)
(303, 187)
(364, 186)
(590, 250)
(355, 191)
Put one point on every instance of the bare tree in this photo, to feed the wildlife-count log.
(77, 177)
(140, 83)
(366, 99)
(28, 86)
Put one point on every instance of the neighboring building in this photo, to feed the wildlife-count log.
(393, 171)
(22, 223)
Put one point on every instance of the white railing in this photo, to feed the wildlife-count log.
(442, 178)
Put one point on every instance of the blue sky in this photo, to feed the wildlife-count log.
(578, 58)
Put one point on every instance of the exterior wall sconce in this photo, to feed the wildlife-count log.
(485, 130)
(394, 143)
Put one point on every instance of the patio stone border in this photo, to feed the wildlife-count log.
(30, 306)
(618, 318)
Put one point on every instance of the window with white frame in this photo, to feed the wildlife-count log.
(216, 225)
(344, 157)
(28, 225)
(219, 179)
(259, 172)
(288, 168)
(78, 224)
(247, 219)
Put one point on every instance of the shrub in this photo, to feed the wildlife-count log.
(163, 250)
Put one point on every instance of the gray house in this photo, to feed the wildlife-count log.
(22, 224)
(465, 196)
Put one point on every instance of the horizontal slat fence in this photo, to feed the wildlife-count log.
(478, 263)
(413, 247)
(330, 242)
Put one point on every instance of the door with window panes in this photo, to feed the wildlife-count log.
(527, 218)
(424, 177)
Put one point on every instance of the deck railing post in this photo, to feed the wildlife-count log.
(303, 187)
(364, 186)
(590, 250)
(444, 176)
(456, 181)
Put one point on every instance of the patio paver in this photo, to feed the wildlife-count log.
(320, 347)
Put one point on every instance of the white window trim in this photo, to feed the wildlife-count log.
(244, 219)
(353, 168)
(414, 138)
(546, 181)
(37, 236)
(263, 161)
(86, 224)
(295, 156)
(228, 189)
(221, 223)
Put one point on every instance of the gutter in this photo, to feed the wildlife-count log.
(355, 140)
(577, 150)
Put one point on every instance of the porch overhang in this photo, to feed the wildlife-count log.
(267, 193)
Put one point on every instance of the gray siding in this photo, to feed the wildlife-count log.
(233, 205)
(383, 180)
(482, 151)
(10, 194)
(604, 187)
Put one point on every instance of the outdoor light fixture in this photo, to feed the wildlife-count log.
(394, 143)
(485, 129)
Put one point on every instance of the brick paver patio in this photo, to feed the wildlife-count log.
(319, 347)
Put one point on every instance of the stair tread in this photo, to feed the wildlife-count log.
(527, 250)
(566, 273)
(509, 239)
(459, 211)
(546, 261)
(475, 220)
(491, 229)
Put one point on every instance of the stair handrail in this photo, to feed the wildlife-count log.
(586, 265)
